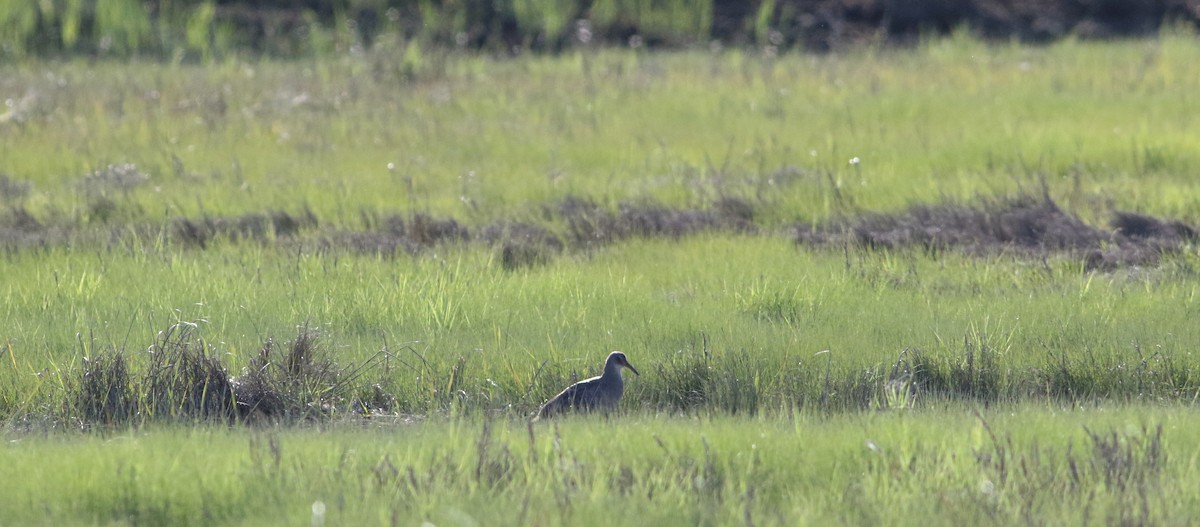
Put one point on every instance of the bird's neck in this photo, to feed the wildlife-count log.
(612, 371)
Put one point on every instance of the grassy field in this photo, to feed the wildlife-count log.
(479, 139)
(939, 466)
(458, 237)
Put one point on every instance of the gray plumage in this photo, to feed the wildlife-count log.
(597, 393)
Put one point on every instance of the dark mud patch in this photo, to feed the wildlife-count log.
(1026, 225)
(12, 190)
(259, 227)
(589, 224)
(20, 230)
(395, 234)
(573, 223)
(521, 244)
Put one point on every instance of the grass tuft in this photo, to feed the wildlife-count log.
(105, 392)
(298, 384)
(182, 380)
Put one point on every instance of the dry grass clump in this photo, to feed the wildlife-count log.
(180, 381)
(105, 391)
(1142, 227)
(294, 383)
(183, 380)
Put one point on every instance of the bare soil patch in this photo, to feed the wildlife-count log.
(1024, 224)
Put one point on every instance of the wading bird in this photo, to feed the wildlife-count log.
(596, 393)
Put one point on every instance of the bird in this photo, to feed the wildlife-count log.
(597, 393)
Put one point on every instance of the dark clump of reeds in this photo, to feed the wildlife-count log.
(1142, 227)
(687, 378)
(293, 383)
(182, 380)
(105, 393)
(699, 378)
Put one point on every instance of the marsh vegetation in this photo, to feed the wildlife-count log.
(952, 283)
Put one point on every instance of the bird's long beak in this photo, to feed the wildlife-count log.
(630, 366)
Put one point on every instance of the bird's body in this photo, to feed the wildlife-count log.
(597, 393)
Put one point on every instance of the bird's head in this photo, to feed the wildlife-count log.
(617, 359)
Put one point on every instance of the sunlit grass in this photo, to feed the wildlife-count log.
(479, 138)
(939, 467)
(758, 309)
(781, 384)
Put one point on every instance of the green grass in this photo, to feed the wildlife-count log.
(940, 466)
(767, 366)
(478, 139)
(761, 308)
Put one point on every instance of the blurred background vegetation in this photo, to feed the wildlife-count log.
(207, 29)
